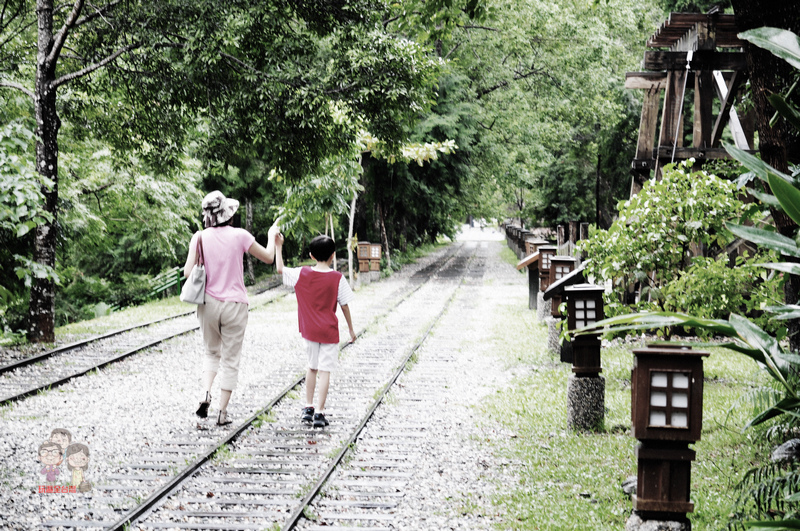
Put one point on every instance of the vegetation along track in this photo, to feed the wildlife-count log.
(31, 375)
(266, 471)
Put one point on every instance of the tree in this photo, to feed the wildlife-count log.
(771, 75)
(262, 71)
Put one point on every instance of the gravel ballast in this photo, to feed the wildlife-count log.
(122, 411)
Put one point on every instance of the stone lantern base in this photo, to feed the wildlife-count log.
(552, 335)
(636, 523)
(586, 402)
(543, 307)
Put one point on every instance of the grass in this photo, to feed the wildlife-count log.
(137, 314)
(568, 480)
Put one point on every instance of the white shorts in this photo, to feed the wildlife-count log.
(322, 356)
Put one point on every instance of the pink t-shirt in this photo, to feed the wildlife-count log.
(223, 249)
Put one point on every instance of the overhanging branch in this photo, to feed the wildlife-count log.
(61, 36)
(11, 84)
(91, 68)
(517, 76)
(98, 12)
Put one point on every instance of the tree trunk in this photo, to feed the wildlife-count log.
(330, 217)
(350, 239)
(768, 75)
(384, 239)
(248, 222)
(41, 311)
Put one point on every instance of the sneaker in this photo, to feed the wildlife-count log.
(202, 411)
(308, 414)
(223, 419)
(319, 420)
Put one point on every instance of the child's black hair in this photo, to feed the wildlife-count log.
(321, 248)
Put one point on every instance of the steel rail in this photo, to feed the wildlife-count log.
(294, 518)
(114, 359)
(83, 342)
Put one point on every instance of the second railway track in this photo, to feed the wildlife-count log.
(28, 376)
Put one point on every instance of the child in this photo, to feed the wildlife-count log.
(318, 289)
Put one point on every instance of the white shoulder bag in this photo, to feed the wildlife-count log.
(194, 289)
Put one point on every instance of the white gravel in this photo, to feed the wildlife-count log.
(150, 398)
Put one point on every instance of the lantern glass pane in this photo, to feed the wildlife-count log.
(580, 323)
(680, 400)
(579, 303)
(658, 399)
(658, 418)
(591, 314)
(658, 379)
(590, 304)
(680, 380)
(679, 420)
(580, 314)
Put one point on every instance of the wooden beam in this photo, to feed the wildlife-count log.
(703, 109)
(683, 153)
(727, 93)
(701, 60)
(671, 112)
(646, 80)
(647, 124)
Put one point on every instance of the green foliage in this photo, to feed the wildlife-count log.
(20, 207)
(652, 240)
(713, 289)
(768, 491)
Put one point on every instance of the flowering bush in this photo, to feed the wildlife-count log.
(662, 240)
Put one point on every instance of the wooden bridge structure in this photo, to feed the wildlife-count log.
(693, 73)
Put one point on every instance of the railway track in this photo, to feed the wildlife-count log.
(265, 472)
(28, 376)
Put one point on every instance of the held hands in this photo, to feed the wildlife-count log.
(275, 235)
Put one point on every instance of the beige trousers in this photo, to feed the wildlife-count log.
(222, 325)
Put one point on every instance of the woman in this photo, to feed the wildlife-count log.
(223, 317)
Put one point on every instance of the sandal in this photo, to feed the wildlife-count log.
(202, 411)
(222, 419)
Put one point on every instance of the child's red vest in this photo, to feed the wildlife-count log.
(317, 295)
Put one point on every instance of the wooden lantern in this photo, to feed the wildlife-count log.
(667, 393)
(374, 265)
(560, 266)
(546, 252)
(363, 266)
(584, 308)
(667, 415)
(363, 251)
(532, 245)
(375, 251)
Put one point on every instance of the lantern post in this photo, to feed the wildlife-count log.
(586, 389)
(667, 416)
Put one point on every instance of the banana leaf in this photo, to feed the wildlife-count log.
(767, 199)
(786, 267)
(780, 42)
(768, 239)
(785, 109)
(771, 525)
(755, 164)
(788, 196)
(785, 311)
